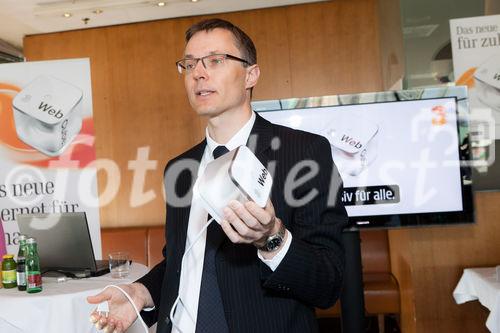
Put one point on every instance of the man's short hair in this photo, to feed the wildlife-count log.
(243, 42)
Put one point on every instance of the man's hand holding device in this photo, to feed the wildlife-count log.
(235, 190)
(250, 224)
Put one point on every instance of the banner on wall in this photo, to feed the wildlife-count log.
(47, 144)
(475, 43)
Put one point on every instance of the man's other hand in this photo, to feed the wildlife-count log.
(121, 313)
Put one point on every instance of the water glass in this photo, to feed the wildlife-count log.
(119, 264)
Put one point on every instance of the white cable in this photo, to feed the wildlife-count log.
(105, 307)
(178, 299)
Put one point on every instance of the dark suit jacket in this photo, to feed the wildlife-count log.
(255, 298)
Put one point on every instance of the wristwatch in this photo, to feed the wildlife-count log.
(273, 242)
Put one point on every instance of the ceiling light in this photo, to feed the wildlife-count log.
(161, 4)
(67, 15)
(97, 11)
(83, 7)
(421, 31)
(194, 0)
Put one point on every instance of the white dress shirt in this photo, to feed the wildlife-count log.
(190, 280)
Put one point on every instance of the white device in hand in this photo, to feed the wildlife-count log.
(236, 175)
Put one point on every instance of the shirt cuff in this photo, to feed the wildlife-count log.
(276, 260)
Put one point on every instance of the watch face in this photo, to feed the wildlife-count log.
(274, 243)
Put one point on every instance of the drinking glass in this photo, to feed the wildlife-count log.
(119, 264)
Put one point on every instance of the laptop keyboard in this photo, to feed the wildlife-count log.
(101, 264)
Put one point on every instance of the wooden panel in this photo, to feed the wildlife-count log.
(130, 240)
(268, 30)
(399, 245)
(436, 257)
(462, 325)
(491, 7)
(334, 48)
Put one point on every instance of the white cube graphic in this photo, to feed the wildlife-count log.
(488, 82)
(47, 114)
(354, 145)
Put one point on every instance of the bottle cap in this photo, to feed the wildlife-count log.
(31, 240)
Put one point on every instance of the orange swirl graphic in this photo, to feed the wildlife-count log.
(81, 149)
(8, 133)
(467, 78)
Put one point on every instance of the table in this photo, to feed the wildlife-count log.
(481, 284)
(60, 307)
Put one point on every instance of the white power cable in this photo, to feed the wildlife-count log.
(104, 307)
(178, 299)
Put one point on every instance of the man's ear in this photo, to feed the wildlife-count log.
(253, 73)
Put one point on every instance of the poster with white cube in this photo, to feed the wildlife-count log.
(475, 43)
(47, 154)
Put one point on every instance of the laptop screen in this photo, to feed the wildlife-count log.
(63, 240)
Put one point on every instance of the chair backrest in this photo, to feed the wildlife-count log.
(375, 255)
(145, 245)
(156, 242)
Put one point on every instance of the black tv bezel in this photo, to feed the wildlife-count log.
(408, 220)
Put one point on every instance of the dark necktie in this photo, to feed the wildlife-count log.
(211, 318)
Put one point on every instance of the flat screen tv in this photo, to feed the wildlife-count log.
(403, 155)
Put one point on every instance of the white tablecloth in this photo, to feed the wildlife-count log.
(481, 284)
(60, 307)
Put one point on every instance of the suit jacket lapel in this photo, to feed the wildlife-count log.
(260, 138)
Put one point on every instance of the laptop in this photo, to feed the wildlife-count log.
(63, 242)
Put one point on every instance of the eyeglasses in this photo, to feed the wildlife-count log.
(212, 61)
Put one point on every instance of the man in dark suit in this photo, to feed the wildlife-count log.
(263, 269)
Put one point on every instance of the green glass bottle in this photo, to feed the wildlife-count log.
(33, 273)
(21, 264)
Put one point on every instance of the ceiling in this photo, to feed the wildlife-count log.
(27, 17)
